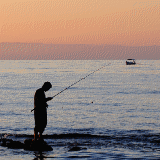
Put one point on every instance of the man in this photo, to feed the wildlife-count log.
(40, 111)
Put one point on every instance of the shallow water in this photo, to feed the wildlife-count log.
(118, 102)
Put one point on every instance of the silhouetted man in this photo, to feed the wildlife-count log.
(40, 109)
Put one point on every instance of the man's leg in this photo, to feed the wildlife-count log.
(40, 135)
(35, 134)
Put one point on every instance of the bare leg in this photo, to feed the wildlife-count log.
(35, 134)
(40, 135)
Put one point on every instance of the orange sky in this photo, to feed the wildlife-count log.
(125, 22)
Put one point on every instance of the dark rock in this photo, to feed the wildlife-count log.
(75, 149)
(39, 145)
(29, 144)
(15, 145)
(12, 144)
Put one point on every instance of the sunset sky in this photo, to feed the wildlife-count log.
(123, 22)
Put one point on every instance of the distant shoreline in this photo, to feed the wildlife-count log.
(40, 51)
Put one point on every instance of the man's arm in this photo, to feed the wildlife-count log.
(49, 98)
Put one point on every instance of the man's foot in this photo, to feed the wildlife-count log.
(34, 140)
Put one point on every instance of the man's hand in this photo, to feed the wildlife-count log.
(49, 98)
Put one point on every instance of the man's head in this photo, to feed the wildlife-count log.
(46, 86)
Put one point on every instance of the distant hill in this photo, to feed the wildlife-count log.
(39, 51)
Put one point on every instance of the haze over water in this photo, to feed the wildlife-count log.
(116, 101)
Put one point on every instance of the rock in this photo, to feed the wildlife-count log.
(39, 145)
(76, 148)
(12, 144)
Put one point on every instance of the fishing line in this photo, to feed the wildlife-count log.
(76, 82)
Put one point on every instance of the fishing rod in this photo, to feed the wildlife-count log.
(78, 81)
(75, 83)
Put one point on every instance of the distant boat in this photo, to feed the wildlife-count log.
(130, 62)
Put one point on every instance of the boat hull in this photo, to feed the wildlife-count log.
(130, 63)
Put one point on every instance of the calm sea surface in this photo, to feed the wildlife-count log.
(118, 104)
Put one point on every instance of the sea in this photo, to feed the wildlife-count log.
(108, 109)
